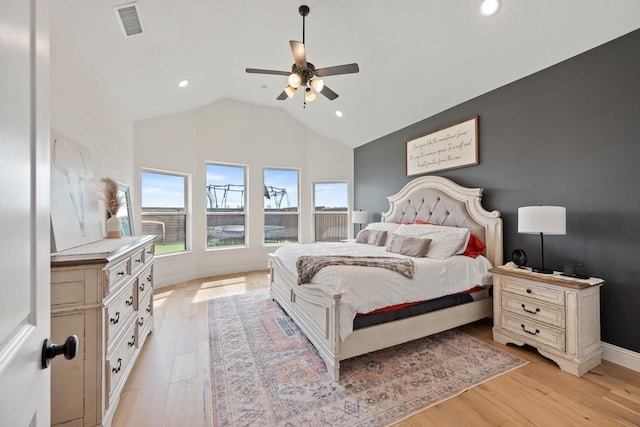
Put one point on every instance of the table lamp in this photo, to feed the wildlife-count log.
(360, 217)
(542, 220)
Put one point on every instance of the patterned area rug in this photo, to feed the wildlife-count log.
(266, 373)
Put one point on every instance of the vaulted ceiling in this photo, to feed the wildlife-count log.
(416, 57)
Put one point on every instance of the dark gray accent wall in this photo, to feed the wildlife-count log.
(568, 135)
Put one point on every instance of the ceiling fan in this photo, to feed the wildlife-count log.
(304, 74)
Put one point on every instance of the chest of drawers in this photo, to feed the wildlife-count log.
(101, 292)
(559, 316)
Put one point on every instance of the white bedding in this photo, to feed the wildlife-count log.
(365, 289)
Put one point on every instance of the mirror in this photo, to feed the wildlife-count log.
(125, 212)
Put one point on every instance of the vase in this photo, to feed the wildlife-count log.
(113, 227)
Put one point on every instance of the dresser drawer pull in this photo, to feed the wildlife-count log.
(141, 321)
(528, 291)
(129, 302)
(141, 287)
(529, 332)
(138, 260)
(149, 308)
(149, 279)
(116, 370)
(116, 319)
(121, 273)
(536, 311)
(132, 342)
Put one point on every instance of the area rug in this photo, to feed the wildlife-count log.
(266, 373)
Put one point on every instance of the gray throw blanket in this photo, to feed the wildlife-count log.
(308, 266)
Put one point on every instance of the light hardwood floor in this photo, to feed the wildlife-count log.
(170, 384)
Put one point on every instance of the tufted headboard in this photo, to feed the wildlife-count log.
(439, 200)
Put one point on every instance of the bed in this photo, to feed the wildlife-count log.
(320, 310)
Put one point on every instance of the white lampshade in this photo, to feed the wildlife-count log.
(360, 217)
(309, 96)
(290, 91)
(542, 219)
(317, 84)
(294, 80)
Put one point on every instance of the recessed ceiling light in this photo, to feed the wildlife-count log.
(183, 83)
(489, 7)
(338, 113)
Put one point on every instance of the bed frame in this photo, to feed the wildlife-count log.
(434, 199)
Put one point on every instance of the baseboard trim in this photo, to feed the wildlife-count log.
(621, 356)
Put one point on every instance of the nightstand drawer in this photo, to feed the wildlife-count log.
(532, 331)
(533, 291)
(533, 309)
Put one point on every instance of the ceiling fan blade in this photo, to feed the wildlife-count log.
(328, 93)
(259, 71)
(282, 96)
(299, 55)
(338, 69)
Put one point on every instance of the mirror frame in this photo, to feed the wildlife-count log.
(126, 217)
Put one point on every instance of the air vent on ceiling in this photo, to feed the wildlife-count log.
(128, 19)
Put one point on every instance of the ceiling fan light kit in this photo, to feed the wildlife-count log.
(304, 73)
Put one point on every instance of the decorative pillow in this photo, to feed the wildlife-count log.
(383, 226)
(445, 241)
(372, 237)
(363, 236)
(475, 247)
(410, 246)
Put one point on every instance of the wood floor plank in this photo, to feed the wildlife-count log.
(170, 383)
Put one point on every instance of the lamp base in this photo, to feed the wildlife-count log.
(542, 270)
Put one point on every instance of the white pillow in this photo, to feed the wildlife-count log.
(389, 227)
(445, 241)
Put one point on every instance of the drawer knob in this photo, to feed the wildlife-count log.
(51, 350)
(530, 332)
(121, 273)
(149, 308)
(129, 302)
(116, 370)
(536, 311)
(141, 321)
(138, 260)
(115, 320)
(132, 342)
(141, 287)
(528, 291)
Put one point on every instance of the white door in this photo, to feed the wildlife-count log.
(24, 212)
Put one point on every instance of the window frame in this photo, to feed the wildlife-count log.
(186, 211)
(245, 210)
(297, 211)
(346, 213)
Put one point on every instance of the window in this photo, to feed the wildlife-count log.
(280, 205)
(226, 200)
(164, 210)
(331, 210)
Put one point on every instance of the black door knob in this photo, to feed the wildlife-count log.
(51, 350)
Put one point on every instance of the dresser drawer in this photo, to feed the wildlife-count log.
(533, 309)
(533, 291)
(534, 332)
(115, 275)
(118, 311)
(145, 317)
(119, 359)
(149, 252)
(137, 262)
(145, 283)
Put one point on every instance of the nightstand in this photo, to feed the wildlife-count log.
(557, 315)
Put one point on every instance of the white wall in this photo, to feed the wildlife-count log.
(234, 132)
(84, 109)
